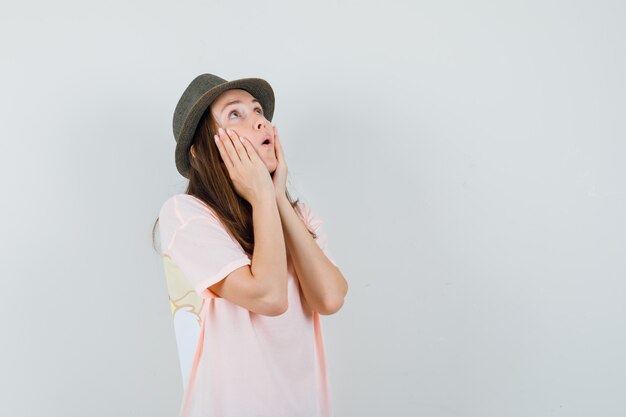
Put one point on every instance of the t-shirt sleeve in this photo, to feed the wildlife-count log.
(316, 224)
(204, 251)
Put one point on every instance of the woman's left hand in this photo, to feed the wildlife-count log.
(279, 177)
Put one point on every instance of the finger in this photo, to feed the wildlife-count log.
(223, 152)
(278, 147)
(250, 150)
(229, 146)
(238, 144)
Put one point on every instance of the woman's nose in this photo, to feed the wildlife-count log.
(260, 124)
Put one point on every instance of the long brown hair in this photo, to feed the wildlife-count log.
(210, 182)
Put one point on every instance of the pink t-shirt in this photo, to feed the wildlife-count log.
(245, 364)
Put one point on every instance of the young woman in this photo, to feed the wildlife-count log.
(256, 261)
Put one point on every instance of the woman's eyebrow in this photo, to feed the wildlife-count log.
(254, 100)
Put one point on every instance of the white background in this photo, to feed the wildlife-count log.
(467, 158)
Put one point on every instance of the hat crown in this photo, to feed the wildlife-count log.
(200, 85)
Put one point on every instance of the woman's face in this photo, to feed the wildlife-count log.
(240, 111)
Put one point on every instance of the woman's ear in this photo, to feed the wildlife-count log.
(193, 151)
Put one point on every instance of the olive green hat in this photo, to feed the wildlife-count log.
(198, 96)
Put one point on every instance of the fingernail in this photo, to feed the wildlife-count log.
(221, 130)
(216, 137)
(230, 132)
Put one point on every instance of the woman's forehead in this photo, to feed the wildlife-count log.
(229, 97)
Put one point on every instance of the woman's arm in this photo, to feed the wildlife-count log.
(322, 283)
(261, 287)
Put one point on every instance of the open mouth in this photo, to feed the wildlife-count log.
(266, 142)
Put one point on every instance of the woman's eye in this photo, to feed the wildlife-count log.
(258, 109)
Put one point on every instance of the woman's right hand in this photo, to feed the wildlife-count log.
(247, 171)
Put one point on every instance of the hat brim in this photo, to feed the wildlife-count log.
(258, 87)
